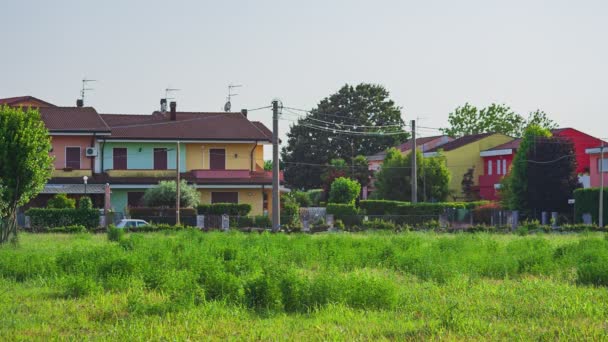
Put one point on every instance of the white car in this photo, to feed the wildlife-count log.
(129, 223)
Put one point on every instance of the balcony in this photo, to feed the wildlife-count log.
(141, 173)
(234, 174)
(70, 173)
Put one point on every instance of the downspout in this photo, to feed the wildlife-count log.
(103, 147)
(253, 150)
(93, 158)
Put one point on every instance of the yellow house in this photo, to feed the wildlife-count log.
(462, 154)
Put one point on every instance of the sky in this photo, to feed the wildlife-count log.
(432, 56)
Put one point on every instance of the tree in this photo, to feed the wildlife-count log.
(468, 182)
(165, 193)
(468, 119)
(61, 201)
(393, 181)
(514, 187)
(358, 108)
(361, 171)
(25, 163)
(344, 190)
(267, 165)
(337, 168)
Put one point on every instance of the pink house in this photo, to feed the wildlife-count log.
(594, 166)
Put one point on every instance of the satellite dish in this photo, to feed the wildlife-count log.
(227, 106)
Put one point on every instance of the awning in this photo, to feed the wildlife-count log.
(73, 189)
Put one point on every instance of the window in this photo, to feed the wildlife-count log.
(504, 166)
(72, 158)
(217, 159)
(498, 167)
(160, 159)
(119, 158)
(604, 165)
(489, 167)
(224, 197)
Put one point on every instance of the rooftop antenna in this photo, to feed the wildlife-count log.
(228, 105)
(169, 91)
(84, 89)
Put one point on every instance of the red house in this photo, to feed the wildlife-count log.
(594, 170)
(497, 160)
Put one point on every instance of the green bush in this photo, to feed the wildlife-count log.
(165, 193)
(380, 207)
(115, 234)
(41, 219)
(69, 229)
(262, 221)
(301, 198)
(379, 225)
(347, 213)
(316, 197)
(586, 201)
(85, 203)
(344, 190)
(61, 201)
(146, 212)
(79, 286)
(231, 209)
(290, 211)
(384, 207)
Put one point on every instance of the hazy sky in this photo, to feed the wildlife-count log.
(431, 55)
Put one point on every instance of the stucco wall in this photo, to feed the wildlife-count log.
(60, 142)
(140, 155)
(252, 197)
(238, 156)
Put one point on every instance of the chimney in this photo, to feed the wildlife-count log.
(173, 105)
(79, 103)
(244, 112)
(163, 105)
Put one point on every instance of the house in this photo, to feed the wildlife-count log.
(462, 154)
(221, 154)
(497, 160)
(424, 144)
(595, 155)
(25, 101)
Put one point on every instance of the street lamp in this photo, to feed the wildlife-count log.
(85, 179)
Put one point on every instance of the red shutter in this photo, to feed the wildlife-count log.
(160, 159)
(72, 158)
(217, 159)
(120, 158)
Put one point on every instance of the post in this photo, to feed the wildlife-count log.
(276, 217)
(601, 217)
(352, 159)
(414, 165)
(177, 188)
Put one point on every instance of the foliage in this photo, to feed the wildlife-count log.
(365, 105)
(74, 229)
(115, 234)
(586, 201)
(316, 196)
(267, 165)
(514, 186)
(290, 211)
(384, 207)
(41, 219)
(468, 182)
(393, 181)
(344, 190)
(61, 201)
(25, 163)
(347, 213)
(165, 193)
(484, 213)
(337, 168)
(231, 209)
(361, 171)
(378, 224)
(145, 212)
(468, 119)
(85, 202)
(302, 198)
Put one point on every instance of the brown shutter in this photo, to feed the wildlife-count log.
(217, 159)
(120, 158)
(224, 197)
(160, 159)
(72, 158)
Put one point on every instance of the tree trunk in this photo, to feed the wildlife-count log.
(8, 226)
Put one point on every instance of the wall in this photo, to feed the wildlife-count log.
(144, 159)
(60, 142)
(594, 172)
(487, 190)
(119, 199)
(197, 156)
(461, 159)
(581, 142)
(252, 197)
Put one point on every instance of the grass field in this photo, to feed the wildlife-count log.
(192, 285)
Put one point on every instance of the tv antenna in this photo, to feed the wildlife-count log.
(169, 91)
(84, 89)
(228, 105)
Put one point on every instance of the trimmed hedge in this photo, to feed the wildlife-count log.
(587, 202)
(139, 212)
(41, 219)
(384, 207)
(348, 213)
(231, 209)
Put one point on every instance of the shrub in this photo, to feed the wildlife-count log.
(146, 212)
(339, 225)
(61, 201)
(290, 211)
(344, 190)
(48, 218)
(231, 209)
(69, 229)
(484, 213)
(301, 198)
(316, 197)
(380, 207)
(85, 203)
(262, 221)
(165, 193)
(586, 202)
(79, 286)
(379, 225)
(115, 234)
(347, 213)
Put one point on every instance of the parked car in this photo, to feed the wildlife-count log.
(129, 223)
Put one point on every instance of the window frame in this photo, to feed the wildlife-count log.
(126, 158)
(79, 157)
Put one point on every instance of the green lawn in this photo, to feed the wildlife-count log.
(192, 285)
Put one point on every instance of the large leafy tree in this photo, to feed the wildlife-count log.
(25, 163)
(365, 108)
(393, 181)
(165, 193)
(495, 118)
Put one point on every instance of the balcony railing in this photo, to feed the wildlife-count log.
(223, 174)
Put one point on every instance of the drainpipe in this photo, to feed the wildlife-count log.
(103, 147)
(253, 150)
(93, 158)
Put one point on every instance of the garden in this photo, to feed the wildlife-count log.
(189, 284)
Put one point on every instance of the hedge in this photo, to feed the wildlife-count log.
(231, 209)
(348, 213)
(49, 218)
(384, 207)
(586, 201)
(140, 212)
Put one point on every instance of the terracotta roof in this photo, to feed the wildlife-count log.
(406, 146)
(187, 126)
(73, 119)
(462, 141)
(18, 99)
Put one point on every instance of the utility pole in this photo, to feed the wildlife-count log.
(276, 217)
(177, 187)
(601, 217)
(414, 164)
